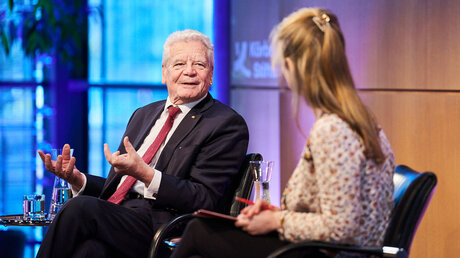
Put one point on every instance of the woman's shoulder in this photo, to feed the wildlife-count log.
(329, 123)
(331, 131)
(385, 144)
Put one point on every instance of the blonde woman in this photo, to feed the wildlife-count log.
(342, 189)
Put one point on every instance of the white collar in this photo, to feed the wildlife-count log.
(186, 107)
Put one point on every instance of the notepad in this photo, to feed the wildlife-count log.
(211, 214)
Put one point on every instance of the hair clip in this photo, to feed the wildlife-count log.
(322, 22)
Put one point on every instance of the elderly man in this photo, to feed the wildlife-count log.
(176, 156)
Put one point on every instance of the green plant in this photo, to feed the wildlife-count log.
(47, 27)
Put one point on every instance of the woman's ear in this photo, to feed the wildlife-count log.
(287, 71)
(288, 64)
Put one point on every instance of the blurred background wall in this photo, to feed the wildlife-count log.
(404, 55)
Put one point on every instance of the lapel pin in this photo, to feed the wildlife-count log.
(193, 117)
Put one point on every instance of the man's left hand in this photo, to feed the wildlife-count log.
(129, 163)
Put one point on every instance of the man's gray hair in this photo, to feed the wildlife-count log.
(188, 35)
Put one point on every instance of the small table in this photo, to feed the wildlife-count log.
(18, 220)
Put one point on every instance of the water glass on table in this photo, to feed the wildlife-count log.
(61, 189)
(262, 171)
(34, 207)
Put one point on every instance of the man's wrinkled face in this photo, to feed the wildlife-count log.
(187, 73)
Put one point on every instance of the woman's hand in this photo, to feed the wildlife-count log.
(261, 223)
(257, 219)
(260, 205)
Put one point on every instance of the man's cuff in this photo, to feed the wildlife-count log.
(152, 191)
(74, 192)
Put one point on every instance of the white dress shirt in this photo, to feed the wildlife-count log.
(139, 187)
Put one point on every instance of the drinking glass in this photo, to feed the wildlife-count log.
(61, 189)
(34, 207)
(262, 171)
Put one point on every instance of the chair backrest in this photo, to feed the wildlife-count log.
(244, 184)
(412, 193)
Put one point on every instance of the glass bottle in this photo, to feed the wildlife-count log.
(61, 189)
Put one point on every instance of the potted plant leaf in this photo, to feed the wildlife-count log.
(55, 28)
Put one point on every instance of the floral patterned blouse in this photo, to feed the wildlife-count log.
(335, 194)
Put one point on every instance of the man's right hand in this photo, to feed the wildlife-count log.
(64, 167)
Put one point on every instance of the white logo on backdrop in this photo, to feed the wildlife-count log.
(259, 57)
(241, 50)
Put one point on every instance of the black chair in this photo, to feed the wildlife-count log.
(173, 229)
(412, 194)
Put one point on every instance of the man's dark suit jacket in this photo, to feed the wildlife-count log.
(198, 162)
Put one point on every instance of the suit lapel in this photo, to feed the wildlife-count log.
(145, 130)
(185, 127)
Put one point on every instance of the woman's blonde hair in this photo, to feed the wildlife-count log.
(312, 39)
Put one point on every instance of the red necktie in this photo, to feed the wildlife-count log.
(120, 193)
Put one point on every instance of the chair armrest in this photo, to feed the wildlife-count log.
(385, 251)
(173, 228)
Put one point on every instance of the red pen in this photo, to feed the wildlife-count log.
(249, 202)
